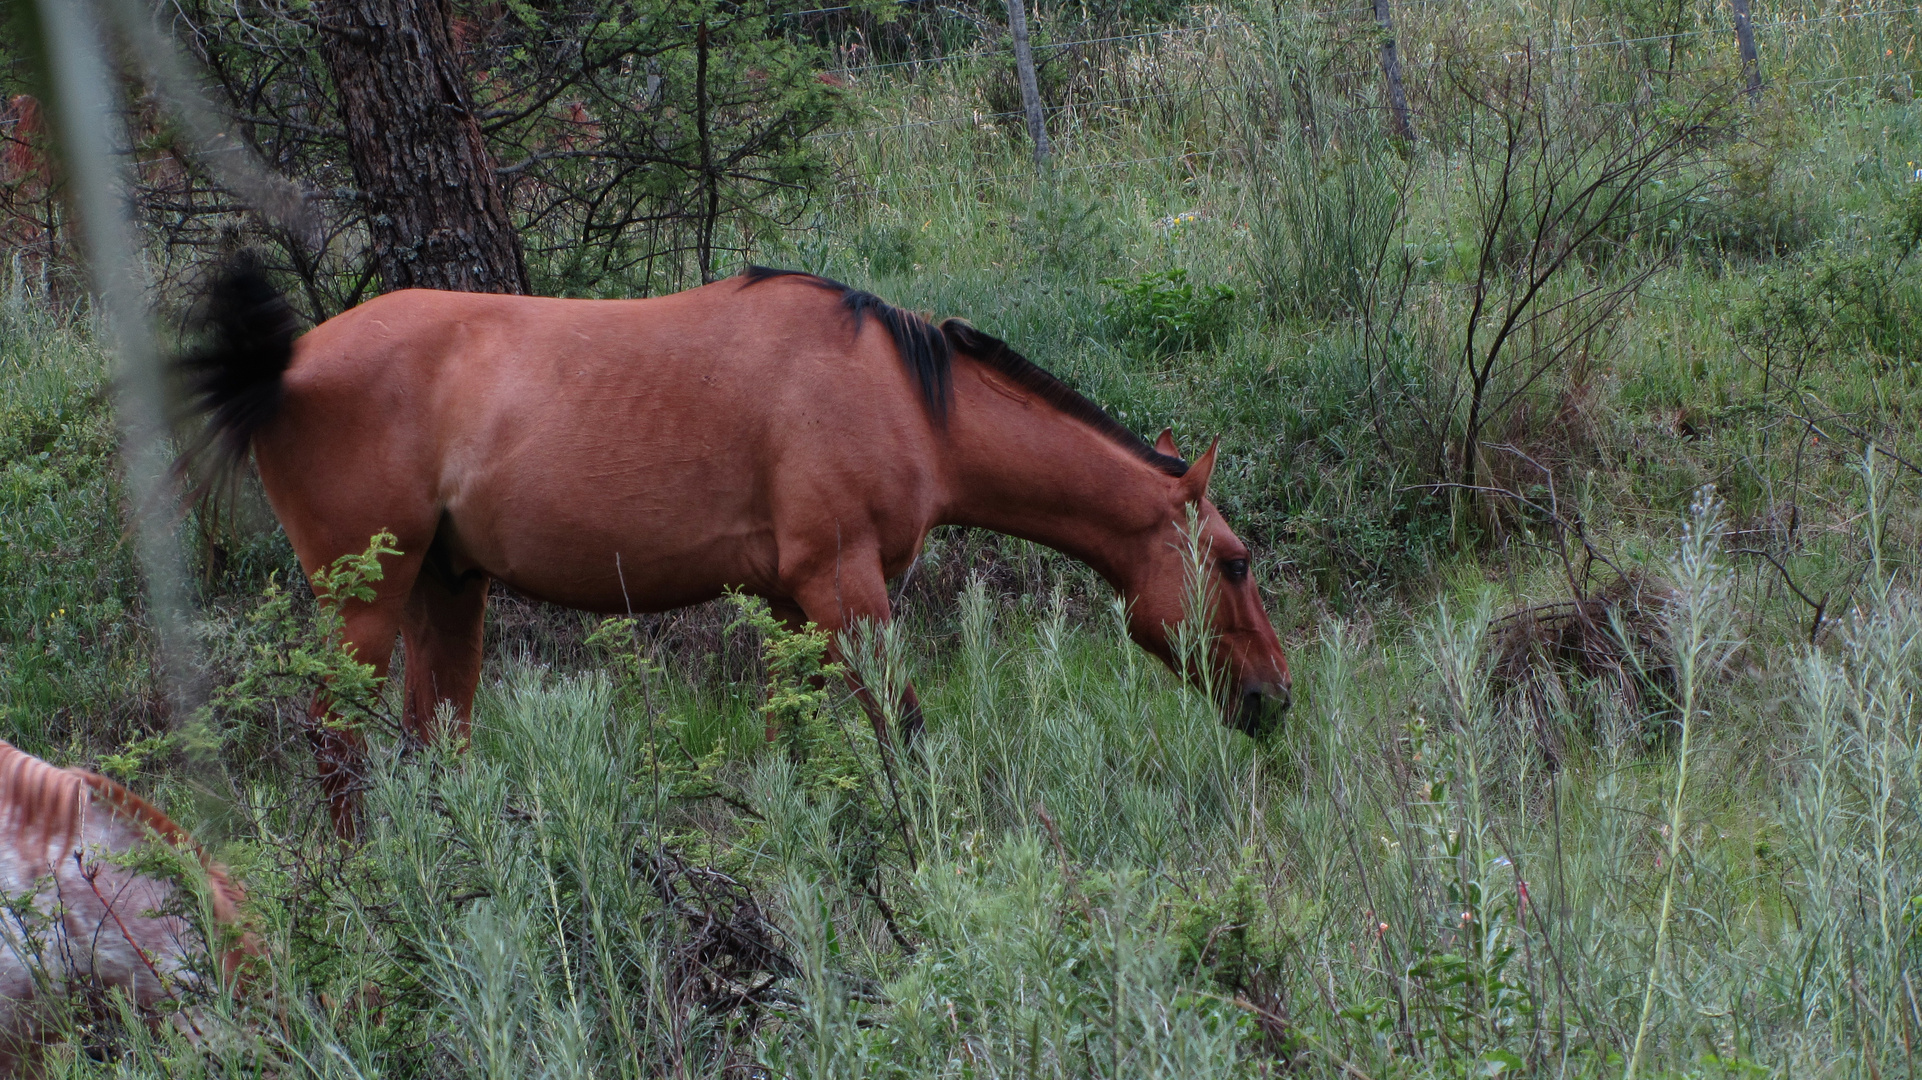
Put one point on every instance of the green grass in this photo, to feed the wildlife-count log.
(74, 668)
(1456, 858)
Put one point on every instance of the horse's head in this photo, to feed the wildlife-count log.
(1249, 672)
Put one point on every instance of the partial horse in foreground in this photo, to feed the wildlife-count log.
(78, 910)
(776, 433)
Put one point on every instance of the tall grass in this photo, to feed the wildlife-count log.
(1852, 815)
(1080, 872)
(72, 662)
(1104, 881)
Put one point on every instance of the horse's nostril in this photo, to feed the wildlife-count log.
(1252, 716)
(1259, 707)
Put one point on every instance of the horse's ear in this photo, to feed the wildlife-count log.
(1165, 443)
(1194, 482)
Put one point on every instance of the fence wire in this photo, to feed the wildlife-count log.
(976, 116)
(1203, 88)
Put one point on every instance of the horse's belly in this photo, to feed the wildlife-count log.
(619, 559)
(615, 591)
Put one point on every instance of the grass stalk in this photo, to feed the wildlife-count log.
(1696, 640)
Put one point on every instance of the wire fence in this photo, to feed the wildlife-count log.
(981, 117)
(1786, 35)
(1192, 155)
(979, 53)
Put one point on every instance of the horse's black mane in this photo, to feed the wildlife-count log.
(928, 351)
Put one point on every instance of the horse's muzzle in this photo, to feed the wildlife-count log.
(1260, 705)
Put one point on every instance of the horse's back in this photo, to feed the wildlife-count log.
(720, 343)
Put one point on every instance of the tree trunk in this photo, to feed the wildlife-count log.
(710, 182)
(1030, 91)
(434, 205)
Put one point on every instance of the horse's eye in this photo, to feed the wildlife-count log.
(1234, 569)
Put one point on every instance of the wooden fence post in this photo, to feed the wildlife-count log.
(1745, 37)
(1391, 72)
(1030, 91)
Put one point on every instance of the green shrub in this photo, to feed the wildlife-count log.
(890, 250)
(1161, 313)
(74, 673)
(1830, 303)
(1063, 227)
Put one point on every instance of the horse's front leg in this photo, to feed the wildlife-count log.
(907, 707)
(852, 590)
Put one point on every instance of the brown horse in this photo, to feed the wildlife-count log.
(775, 432)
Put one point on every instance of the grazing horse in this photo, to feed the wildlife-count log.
(74, 911)
(775, 432)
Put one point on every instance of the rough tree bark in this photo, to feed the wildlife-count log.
(434, 205)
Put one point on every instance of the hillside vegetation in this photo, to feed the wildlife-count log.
(1577, 439)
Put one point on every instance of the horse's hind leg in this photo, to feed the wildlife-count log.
(368, 630)
(442, 628)
(333, 494)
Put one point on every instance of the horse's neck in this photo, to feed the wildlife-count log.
(1030, 471)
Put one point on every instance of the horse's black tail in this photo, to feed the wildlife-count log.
(233, 378)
